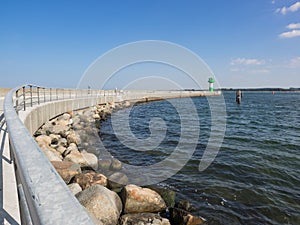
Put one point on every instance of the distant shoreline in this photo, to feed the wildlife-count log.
(262, 89)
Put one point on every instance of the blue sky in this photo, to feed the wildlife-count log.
(245, 43)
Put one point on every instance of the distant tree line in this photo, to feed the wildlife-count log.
(261, 89)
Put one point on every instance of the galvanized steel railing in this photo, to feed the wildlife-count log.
(43, 196)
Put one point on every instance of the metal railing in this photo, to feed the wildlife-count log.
(44, 198)
(30, 95)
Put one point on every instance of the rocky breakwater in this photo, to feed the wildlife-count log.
(69, 141)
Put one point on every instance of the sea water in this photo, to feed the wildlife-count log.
(255, 177)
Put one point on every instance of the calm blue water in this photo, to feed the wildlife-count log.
(255, 178)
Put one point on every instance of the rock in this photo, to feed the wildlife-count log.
(91, 159)
(62, 122)
(167, 195)
(116, 165)
(51, 153)
(104, 164)
(63, 142)
(67, 170)
(103, 204)
(182, 217)
(93, 150)
(137, 199)
(90, 178)
(96, 116)
(60, 129)
(43, 140)
(185, 205)
(71, 113)
(127, 103)
(143, 218)
(60, 149)
(46, 128)
(98, 123)
(54, 138)
(76, 157)
(117, 180)
(73, 138)
(72, 148)
(74, 188)
(66, 116)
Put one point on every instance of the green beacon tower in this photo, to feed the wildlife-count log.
(211, 82)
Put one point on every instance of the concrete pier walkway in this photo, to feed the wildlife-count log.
(9, 211)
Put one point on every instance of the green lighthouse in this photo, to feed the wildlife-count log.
(211, 82)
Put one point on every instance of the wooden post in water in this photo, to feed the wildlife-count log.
(238, 98)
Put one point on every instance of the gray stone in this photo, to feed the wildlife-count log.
(73, 138)
(103, 204)
(63, 142)
(76, 157)
(104, 164)
(51, 153)
(117, 180)
(137, 199)
(116, 165)
(90, 178)
(67, 170)
(74, 188)
(91, 159)
(60, 129)
(143, 218)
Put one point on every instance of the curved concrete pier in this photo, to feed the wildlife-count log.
(44, 197)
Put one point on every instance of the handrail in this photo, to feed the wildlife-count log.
(44, 197)
(30, 95)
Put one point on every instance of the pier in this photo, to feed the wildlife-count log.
(32, 191)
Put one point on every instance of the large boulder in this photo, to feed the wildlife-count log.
(51, 153)
(103, 204)
(90, 178)
(67, 170)
(137, 199)
(76, 157)
(91, 159)
(143, 218)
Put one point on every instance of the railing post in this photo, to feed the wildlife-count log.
(50, 94)
(24, 98)
(30, 88)
(44, 94)
(38, 94)
(56, 94)
(17, 101)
